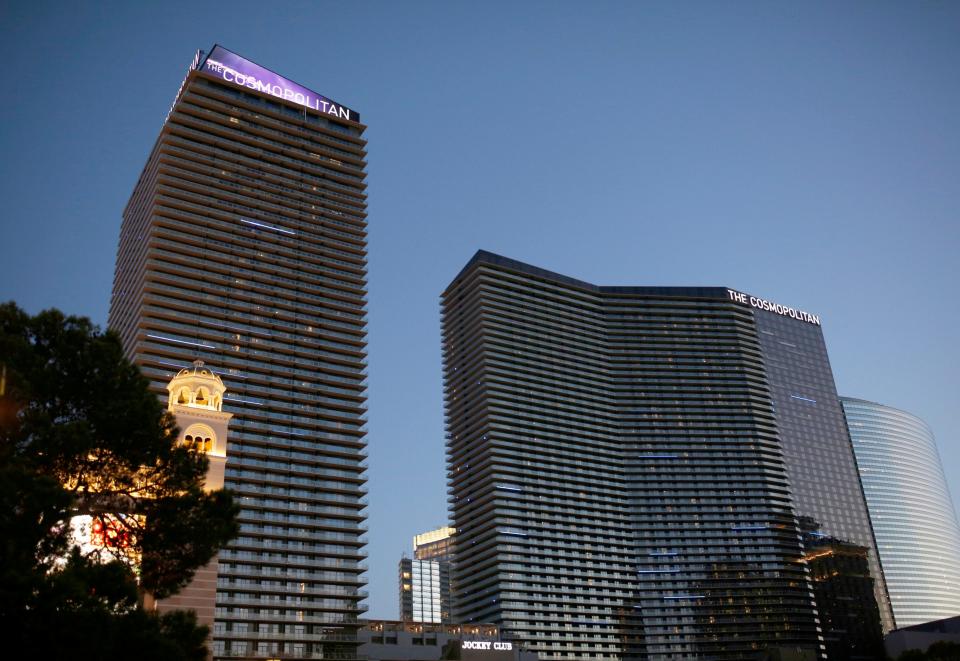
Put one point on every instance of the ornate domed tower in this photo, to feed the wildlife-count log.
(196, 400)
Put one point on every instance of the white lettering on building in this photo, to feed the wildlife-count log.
(244, 80)
(485, 645)
(769, 306)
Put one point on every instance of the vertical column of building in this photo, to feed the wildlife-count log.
(244, 244)
(913, 518)
(717, 551)
(405, 591)
(827, 492)
(535, 464)
(420, 591)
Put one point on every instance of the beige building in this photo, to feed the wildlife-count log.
(196, 400)
(434, 544)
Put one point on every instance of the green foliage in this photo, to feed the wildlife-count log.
(202, 522)
(81, 434)
(89, 610)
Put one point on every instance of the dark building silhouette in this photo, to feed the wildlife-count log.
(843, 587)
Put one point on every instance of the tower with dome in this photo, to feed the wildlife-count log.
(196, 401)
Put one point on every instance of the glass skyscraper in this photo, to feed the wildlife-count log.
(630, 467)
(813, 433)
(425, 580)
(913, 516)
(244, 245)
(424, 591)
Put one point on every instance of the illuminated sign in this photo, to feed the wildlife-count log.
(769, 306)
(485, 645)
(232, 68)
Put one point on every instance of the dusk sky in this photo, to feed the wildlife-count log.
(808, 153)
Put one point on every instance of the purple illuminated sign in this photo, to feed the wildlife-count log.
(236, 70)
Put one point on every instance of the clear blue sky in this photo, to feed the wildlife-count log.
(808, 153)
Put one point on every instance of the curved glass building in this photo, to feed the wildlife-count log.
(913, 517)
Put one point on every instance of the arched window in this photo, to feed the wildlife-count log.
(200, 438)
(188, 441)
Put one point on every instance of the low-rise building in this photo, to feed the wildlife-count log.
(388, 640)
(922, 636)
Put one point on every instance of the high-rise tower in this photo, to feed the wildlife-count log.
(913, 516)
(244, 245)
(628, 471)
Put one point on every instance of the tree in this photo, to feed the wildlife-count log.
(81, 434)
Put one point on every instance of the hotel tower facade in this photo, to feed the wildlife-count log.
(244, 245)
(633, 470)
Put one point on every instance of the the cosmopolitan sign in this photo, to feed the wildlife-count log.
(236, 70)
(769, 306)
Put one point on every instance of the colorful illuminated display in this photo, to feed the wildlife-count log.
(107, 531)
(234, 69)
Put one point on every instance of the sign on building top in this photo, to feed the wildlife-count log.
(770, 306)
(232, 68)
